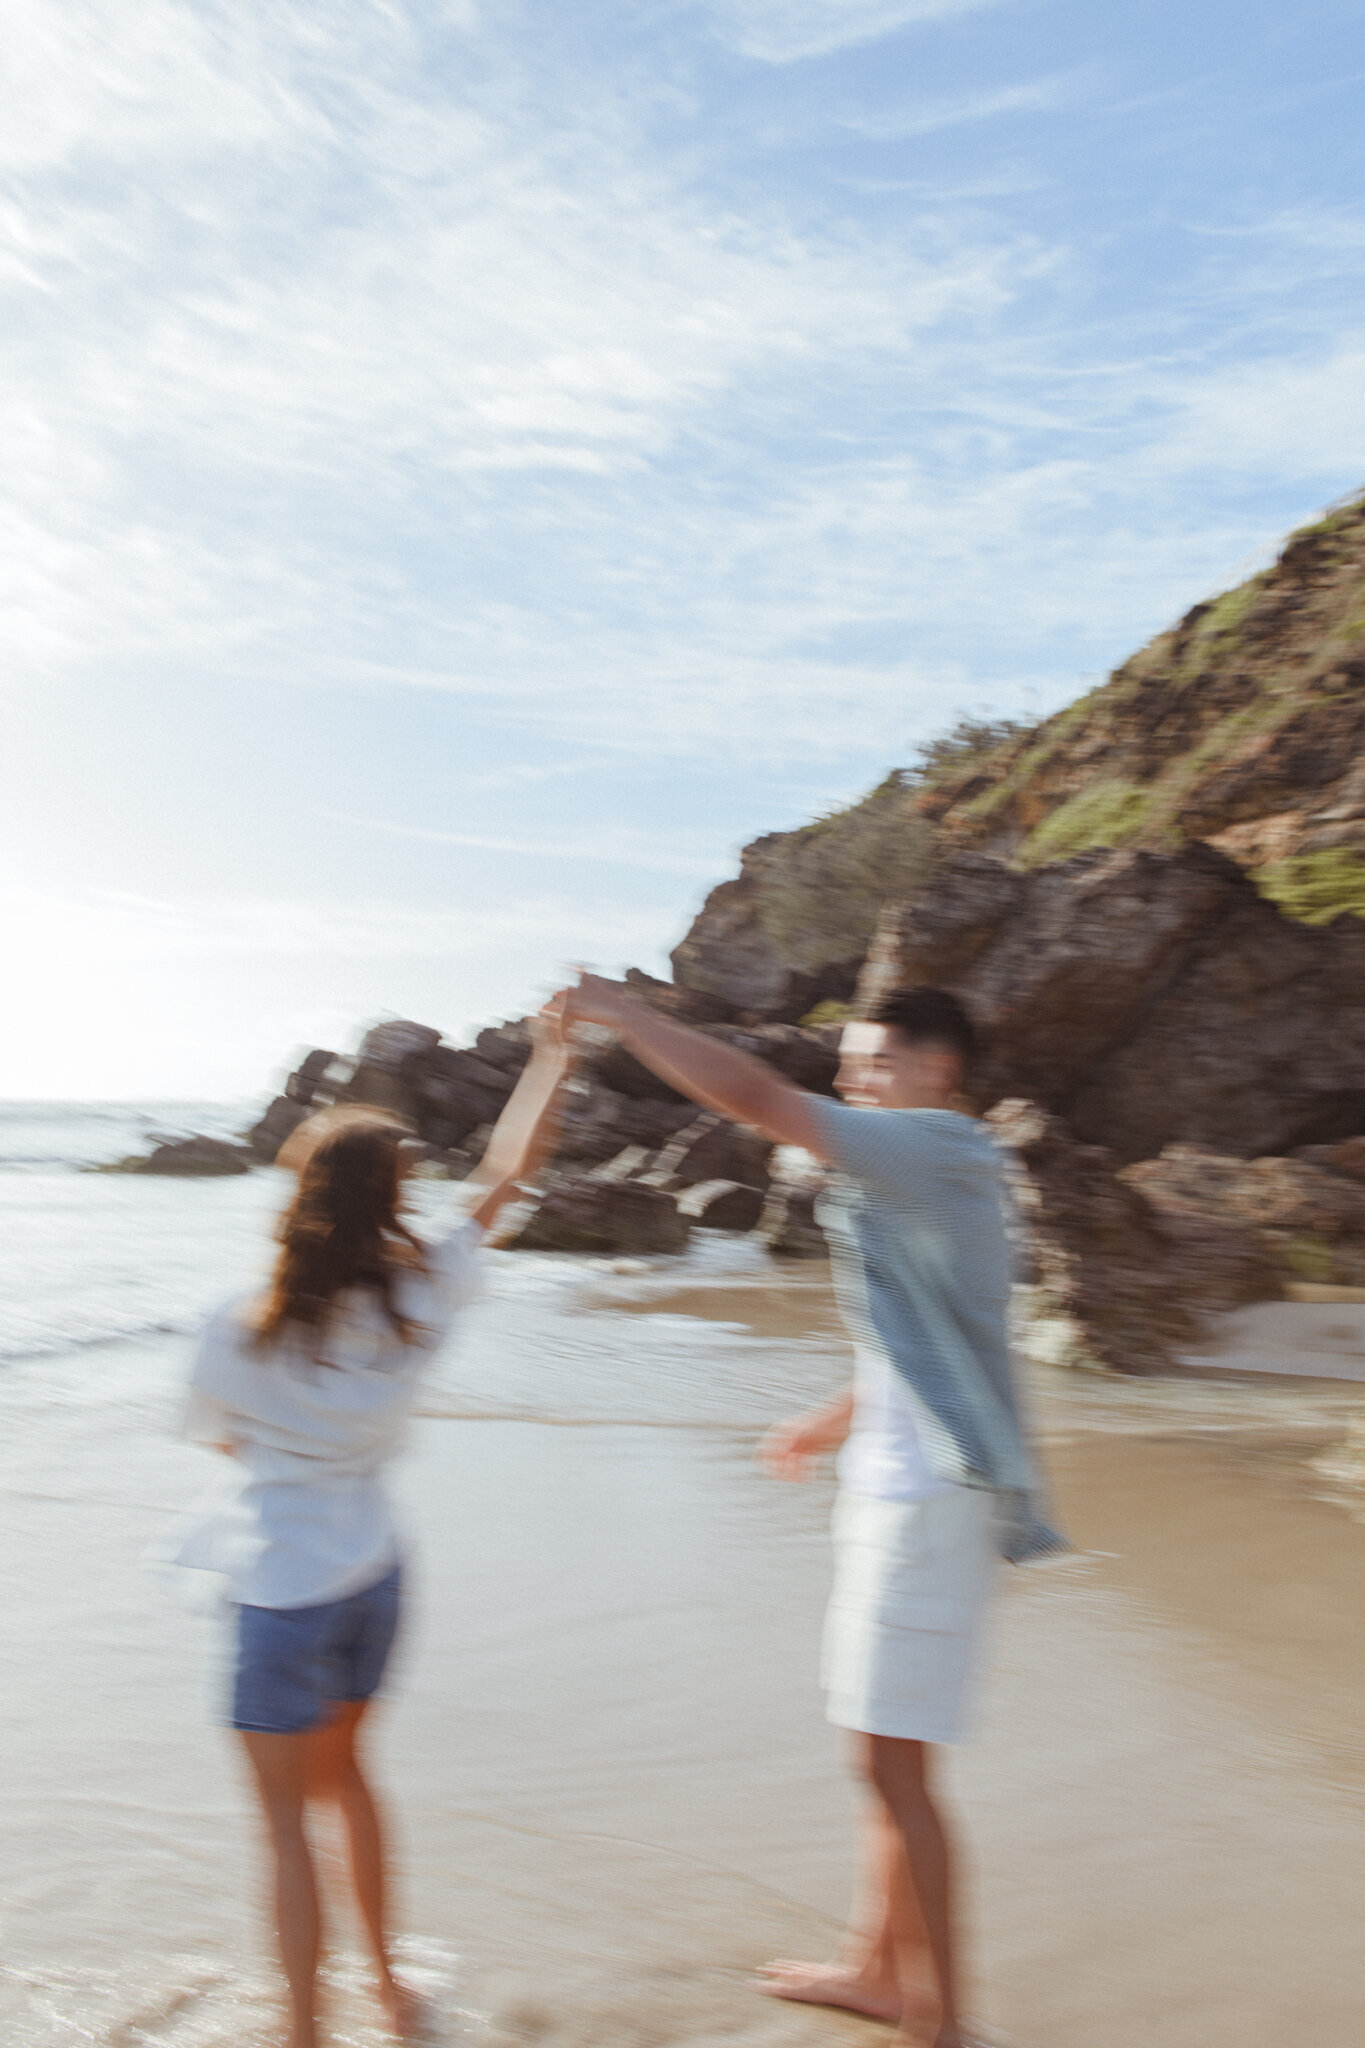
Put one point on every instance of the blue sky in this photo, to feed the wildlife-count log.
(469, 467)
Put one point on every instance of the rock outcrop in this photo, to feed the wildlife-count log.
(637, 1166)
(1308, 1217)
(710, 1147)
(790, 932)
(279, 1120)
(189, 1159)
(1147, 998)
(1121, 1284)
(591, 1213)
(721, 1205)
(788, 1223)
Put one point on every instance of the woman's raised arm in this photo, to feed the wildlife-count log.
(526, 1130)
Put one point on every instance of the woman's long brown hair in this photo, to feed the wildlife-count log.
(341, 1230)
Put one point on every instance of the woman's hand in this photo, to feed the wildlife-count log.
(525, 1132)
(793, 1449)
(550, 1030)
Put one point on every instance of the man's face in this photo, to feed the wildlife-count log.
(878, 1069)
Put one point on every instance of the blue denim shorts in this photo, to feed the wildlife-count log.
(293, 1663)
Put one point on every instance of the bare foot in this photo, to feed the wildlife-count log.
(921, 2029)
(409, 2014)
(839, 1984)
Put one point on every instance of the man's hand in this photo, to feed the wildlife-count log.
(596, 1001)
(712, 1073)
(793, 1449)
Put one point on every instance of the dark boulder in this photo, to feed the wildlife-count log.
(310, 1077)
(1145, 997)
(451, 1090)
(195, 1158)
(1308, 1219)
(1136, 1284)
(381, 1087)
(279, 1122)
(787, 1222)
(721, 1205)
(710, 1147)
(732, 956)
(389, 1045)
(584, 1213)
(505, 1046)
(597, 1124)
(684, 1005)
(611, 1066)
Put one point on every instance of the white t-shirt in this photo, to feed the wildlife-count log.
(305, 1518)
(882, 1454)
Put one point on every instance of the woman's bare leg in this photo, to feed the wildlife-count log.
(278, 1763)
(335, 1776)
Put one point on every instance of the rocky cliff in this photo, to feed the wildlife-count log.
(1242, 727)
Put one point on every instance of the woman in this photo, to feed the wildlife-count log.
(307, 1387)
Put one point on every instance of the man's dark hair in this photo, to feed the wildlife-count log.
(924, 1015)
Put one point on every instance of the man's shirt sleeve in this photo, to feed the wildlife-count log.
(885, 1150)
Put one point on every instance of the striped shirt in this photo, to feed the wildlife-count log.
(916, 1221)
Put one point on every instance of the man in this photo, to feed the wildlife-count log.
(935, 1470)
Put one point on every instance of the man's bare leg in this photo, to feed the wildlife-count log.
(334, 1776)
(886, 1931)
(897, 1769)
(277, 1762)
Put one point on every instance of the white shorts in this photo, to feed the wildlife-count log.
(912, 1581)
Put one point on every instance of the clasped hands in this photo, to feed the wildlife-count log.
(594, 1000)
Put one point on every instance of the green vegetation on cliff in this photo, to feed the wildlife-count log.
(1317, 887)
(822, 896)
(1106, 814)
(1243, 725)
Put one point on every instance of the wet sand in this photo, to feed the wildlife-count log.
(617, 1794)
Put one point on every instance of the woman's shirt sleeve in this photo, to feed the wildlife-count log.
(453, 1263)
(208, 1416)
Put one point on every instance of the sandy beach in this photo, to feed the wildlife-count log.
(615, 1788)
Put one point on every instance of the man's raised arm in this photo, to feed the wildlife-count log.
(707, 1069)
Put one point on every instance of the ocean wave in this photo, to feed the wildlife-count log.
(37, 1137)
(22, 1346)
(213, 2001)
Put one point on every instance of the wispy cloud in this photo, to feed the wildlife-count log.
(232, 402)
(116, 926)
(611, 846)
(782, 31)
(932, 117)
(354, 929)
